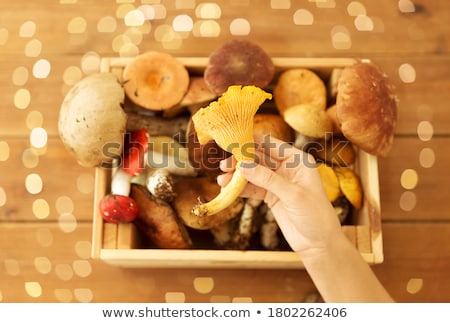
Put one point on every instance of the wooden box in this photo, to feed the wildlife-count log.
(116, 243)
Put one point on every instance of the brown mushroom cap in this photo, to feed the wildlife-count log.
(155, 81)
(188, 191)
(238, 62)
(367, 108)
(273, 125)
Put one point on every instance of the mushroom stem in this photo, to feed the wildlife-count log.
(226, 196)
(229, 121)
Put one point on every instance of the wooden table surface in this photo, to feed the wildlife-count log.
(46, 198)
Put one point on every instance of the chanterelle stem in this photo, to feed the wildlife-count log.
(229, 121)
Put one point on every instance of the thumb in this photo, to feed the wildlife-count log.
(263, 177)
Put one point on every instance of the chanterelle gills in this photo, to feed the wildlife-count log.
(229, 122)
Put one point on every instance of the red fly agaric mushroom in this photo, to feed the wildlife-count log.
(135, 148)
(366, 108)
(155, 80)
(238, 62)
(116, 208)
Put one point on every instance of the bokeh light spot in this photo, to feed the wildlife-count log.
(4, 151)
(208, 10)
(27, 29)
(203, 285)
(33, 183)
(12, 267)
(38, 137)
(303, 17)
(409, 179)
(280, 4)
(240, 27)
(134, 18)
(407, 73)
(41, 69)
(3, 197)
(72, 75)
(107, 24)
(356, 8)
(33, 289)
(43, 265)
(427, 158)
(175, 297)
(414, 285)
(33, 48)
(4, 35)
(182, 23)
(206, 28)
(20, 76)
(30, 158)
(425, 130)
(67, 222)
(41, 209)
(83, 295)
(406, 6)
(364, 23)
(22, 99)
(77, 25)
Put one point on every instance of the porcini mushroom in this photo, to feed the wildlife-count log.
(367, 108)
(238, 62)
(309, 121)
(229, 121)
(91, 120)
(299, 86)
(155, 80)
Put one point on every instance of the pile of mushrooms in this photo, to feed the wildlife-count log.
(163, 131)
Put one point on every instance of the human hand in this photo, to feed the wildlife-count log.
(287, 179)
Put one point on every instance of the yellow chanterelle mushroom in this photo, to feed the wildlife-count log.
(229, 122)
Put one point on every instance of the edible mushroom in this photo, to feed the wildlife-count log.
(273, 125)
(238, 62)
(187, 192)
(158, 221)
(367, 108)
(299, 86)
(229, 121)
(309, 121)
(91, 120)
(155, 80)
